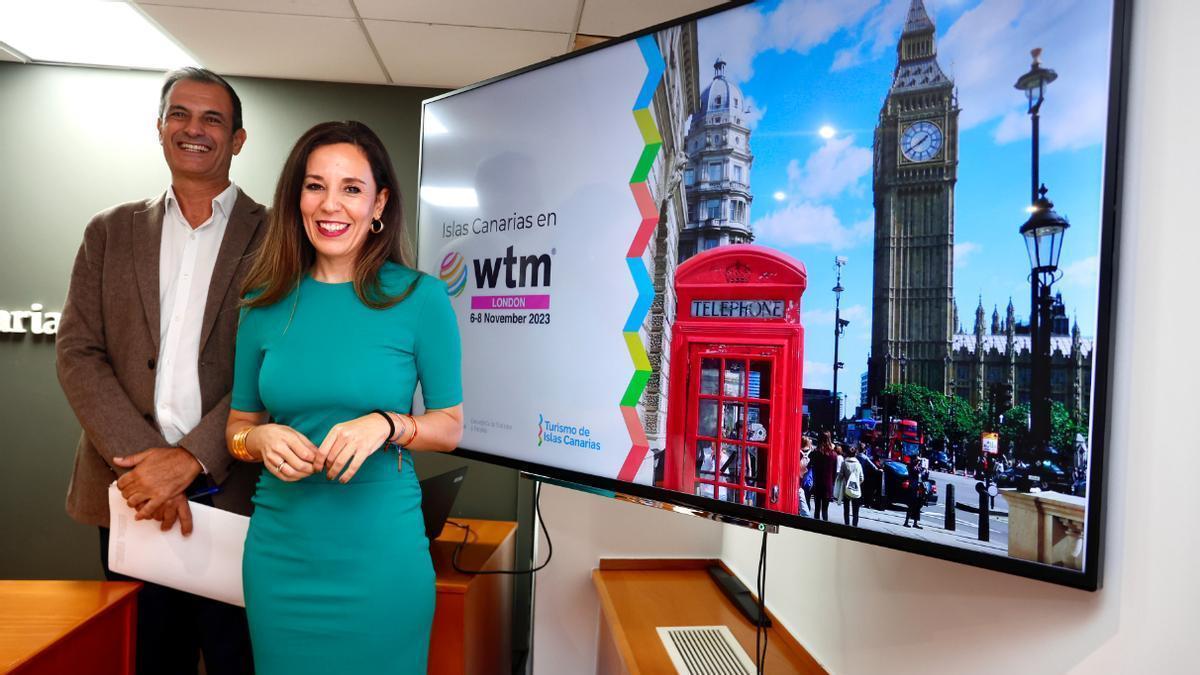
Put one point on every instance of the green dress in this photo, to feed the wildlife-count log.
(337, 576)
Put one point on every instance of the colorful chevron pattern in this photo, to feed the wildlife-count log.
(637, 269)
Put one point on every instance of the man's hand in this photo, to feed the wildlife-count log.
(176, 508)
(157, 474)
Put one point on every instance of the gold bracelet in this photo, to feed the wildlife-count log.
(238, 447)
(412, 423)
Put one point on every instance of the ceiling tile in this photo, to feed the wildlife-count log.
(453, 56)
(273, 45)
(618, 17)
(335, 8)
(540, 15)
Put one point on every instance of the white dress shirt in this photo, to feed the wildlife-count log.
(186, 261)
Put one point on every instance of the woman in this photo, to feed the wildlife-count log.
(334, 337)
(824, 465)
(849, 486)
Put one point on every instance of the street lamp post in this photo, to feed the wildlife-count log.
(1043, 234)
(839, 326)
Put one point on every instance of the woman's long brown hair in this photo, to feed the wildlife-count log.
(286, 253)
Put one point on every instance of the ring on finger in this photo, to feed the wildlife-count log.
(281, 465)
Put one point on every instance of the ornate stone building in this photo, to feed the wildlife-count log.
(915, 171)
(717, 177)
(1000, 358)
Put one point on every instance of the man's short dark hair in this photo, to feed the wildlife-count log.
(206, 76)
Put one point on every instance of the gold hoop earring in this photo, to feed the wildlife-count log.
(376, 226)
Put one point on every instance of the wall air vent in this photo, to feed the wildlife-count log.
(705, 650)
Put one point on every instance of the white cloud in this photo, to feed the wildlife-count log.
(806, 224)
(1083, 273)
(878, 36)
(818, 317)
(837, 166)
(800, 26)
(756, 113)
(964, 251)
(816, 368)
(795, 25)
(824, 317)
(987, 49)
(734, 36)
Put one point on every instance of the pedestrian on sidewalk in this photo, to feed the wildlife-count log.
(849, 486)
(824, 464)
(806, 480)
(806, 472)
(916, 495)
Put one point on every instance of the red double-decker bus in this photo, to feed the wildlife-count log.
(905, 441)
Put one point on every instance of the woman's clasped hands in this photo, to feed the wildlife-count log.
(290, 456)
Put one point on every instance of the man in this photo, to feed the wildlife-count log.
(145, 357)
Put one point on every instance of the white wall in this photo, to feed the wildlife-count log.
(862, 609)
(585, 528)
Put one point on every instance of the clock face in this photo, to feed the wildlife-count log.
(921, 141)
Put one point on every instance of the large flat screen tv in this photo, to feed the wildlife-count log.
(776, 256)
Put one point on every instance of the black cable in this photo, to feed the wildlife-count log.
(758, 619)
(760, 655)
(537, 509)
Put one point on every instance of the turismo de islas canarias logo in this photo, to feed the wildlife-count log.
(454, 274)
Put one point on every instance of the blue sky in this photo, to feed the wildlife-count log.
(807, 63)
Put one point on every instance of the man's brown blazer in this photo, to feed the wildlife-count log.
(108, 343)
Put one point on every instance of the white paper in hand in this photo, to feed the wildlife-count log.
(208, 562)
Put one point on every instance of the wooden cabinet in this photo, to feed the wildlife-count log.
(637, 596)
(472, 623)
(55, 627)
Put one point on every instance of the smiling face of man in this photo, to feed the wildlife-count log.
(196, 132)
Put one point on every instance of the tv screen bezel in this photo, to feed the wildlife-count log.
(1091, 577)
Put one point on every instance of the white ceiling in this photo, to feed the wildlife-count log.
(436, 43)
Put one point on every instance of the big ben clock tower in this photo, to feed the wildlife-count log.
(916, 160)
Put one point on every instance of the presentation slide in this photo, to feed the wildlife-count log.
(528, 215)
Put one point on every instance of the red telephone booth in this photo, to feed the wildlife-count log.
(737, 354)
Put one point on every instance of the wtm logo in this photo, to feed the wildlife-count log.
(519, 272)
(453, 274)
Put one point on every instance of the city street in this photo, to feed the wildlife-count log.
(933, 518)
(964, 488)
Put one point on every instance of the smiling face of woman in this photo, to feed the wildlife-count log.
(338, 201)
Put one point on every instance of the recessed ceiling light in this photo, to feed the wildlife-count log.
(88, 32)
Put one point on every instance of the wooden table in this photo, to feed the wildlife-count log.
(637, 596)
(472, 623)
(58, 627)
